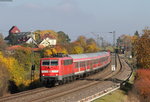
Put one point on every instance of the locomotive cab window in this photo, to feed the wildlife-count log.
(49, 62)
(54, 62)
(45, 63)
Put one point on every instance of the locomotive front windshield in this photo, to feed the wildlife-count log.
(49, 62)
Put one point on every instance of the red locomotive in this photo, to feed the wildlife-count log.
(63, 68)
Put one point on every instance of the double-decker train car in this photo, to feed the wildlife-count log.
(62, 69)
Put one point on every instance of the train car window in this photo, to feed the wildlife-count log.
(95, 61)
(45, 62)
(86, 63)
(54, 62)
(106, 58)
(82, 64)
(68, 62)
(89, 63)
(76, 65)
(101, 59)
(92, 62)
(65, 62)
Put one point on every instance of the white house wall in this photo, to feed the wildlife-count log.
(48, 42)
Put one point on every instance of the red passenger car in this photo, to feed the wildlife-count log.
(62, 68)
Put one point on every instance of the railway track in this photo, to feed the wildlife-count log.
(51, 94)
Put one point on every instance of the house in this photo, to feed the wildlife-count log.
(31, 40)
(17, 37)
(24, 37)
(20, 38)
(14, 30)
(48, 42)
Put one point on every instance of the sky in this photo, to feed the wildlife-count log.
(76, 17)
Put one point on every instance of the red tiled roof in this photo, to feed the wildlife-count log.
(14, 30)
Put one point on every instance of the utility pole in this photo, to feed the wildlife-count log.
(114, 39)
(98, 38)
(32, 60)
(114, 62)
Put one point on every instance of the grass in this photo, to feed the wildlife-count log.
(131, 81)
(116, 96)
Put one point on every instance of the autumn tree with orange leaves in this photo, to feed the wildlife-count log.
(141, 85)
(142, 50)
(141, 47)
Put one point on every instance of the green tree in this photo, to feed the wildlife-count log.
(136, 33)
(3, 44)
(24, 58)
(63, 38)
(12, 39)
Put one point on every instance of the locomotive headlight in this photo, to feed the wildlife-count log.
(56, 74)
(54, 71)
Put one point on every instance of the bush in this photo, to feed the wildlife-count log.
(142, 83)
(4, 77)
